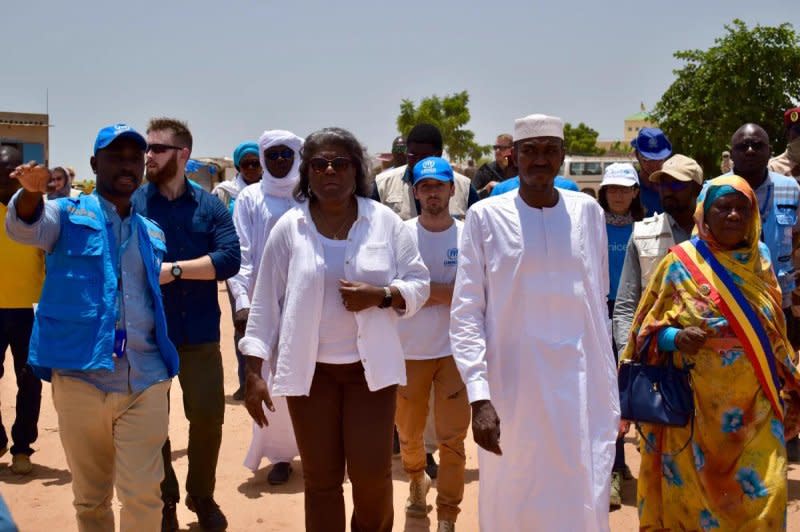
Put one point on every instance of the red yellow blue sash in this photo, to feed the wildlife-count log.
(716, 283)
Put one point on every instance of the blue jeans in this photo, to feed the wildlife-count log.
(15, 332)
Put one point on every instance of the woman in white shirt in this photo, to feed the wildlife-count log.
(338, 272)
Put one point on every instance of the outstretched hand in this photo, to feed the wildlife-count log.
(32, 177)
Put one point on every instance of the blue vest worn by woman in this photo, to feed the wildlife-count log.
(76, 316)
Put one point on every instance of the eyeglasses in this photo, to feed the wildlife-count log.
(161, 148)
(321, 164)
(250, 164)
(755, 145)
(674, 186)
(275, 155)
(501, 147)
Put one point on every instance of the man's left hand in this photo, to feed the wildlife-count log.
(358, 296)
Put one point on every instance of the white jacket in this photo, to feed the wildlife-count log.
(283, 327)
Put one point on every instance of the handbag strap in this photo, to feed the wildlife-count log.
(650, 447)
(716, 283)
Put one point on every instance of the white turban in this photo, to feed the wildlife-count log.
(283, 186)
(538, 126)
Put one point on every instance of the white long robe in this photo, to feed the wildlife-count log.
(254, 216)
(530, 331)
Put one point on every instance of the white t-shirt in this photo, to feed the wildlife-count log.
(337, 328)
(425, 335)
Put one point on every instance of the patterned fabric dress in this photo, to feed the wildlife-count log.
(732, 476)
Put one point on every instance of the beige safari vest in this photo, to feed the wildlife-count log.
(399, 196)
(652, 238)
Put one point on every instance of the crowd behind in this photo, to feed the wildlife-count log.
(381, 315)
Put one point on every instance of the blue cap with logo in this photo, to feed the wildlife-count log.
(433, 168)
(652, 144)
(109, 134)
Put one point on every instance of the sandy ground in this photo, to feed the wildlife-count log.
(43, 500)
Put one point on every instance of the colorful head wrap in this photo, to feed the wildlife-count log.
(715, 189)
(243, 149)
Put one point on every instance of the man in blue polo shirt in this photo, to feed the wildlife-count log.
(100, 332)
(202, 248)
(652, 148)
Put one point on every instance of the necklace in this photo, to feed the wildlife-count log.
(348, 220)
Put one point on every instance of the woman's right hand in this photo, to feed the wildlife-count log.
(256, 393)
(690, 340)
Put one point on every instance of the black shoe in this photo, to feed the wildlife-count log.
(280, 473)
(431, 468)
(396, 443)
(208, 513)
(793, 450)
(169, 517)
(238, 395)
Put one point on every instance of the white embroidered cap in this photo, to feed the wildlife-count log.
(538, 125)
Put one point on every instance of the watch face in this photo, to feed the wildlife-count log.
(176, 271)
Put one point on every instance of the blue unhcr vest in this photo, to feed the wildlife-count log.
(76, 316)
(777, 226)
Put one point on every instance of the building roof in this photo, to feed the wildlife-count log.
(641, 115)
(24, 119)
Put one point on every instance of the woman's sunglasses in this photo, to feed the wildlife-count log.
(339, 164)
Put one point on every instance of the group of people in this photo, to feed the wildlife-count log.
(416, 305)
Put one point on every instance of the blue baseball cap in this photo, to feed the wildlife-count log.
(652, 144)
(433, 168)
(109, 134)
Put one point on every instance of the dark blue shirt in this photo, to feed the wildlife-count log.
(651, 201)
(195, 224)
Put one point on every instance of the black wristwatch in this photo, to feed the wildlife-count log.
(387, 298)
(176, 271)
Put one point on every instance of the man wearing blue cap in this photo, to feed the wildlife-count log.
(652, 148)
(429, 359)
(100, 332)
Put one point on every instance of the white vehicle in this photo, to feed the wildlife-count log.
(587, 170)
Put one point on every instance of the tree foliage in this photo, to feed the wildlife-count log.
(581, 140)
(450, 114)
(748, 75)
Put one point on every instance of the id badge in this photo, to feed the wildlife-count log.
(120, 342)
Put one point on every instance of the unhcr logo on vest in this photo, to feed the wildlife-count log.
(452, 257)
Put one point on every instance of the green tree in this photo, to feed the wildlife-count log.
(581, 140)
(450, 114)
(748, 75)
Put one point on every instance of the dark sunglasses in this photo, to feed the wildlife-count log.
(275, 155)
(754, 145)
(250, 164)
(339, 164)
(501, 147)
(161, 148)
(674, 186)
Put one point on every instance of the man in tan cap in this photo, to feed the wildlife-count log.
(788, 162)
(679, 183)
(530, 334)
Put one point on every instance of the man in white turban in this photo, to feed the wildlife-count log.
(530, 334)
(257, 209)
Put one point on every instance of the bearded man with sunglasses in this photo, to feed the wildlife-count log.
(678, 183)
(258, 208)
(202, 248)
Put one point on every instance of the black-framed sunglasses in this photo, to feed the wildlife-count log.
(674, 186)
(275, 155)
(250, 164)
(339, 164)
(161, 148)
(501, 147)
(755, 145)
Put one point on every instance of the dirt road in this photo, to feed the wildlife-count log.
(43, 500)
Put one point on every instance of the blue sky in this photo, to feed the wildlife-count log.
(235, 68)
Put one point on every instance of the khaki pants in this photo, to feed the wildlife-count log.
(452, 416)
(113, 440)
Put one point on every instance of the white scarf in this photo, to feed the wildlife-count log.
(284, 186)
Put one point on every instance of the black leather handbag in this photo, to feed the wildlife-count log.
(656, 394)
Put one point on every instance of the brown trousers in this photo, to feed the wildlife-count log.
(341, 422)
(452, 416)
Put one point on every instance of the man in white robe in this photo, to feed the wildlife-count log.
(257, 209)
(531, 336)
